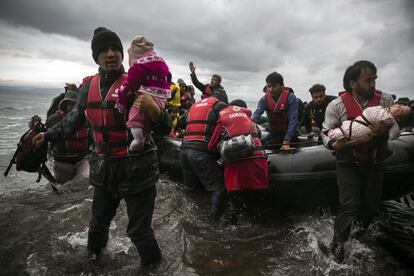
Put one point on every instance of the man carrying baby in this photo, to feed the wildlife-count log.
(359, 166)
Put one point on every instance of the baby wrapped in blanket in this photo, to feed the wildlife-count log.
(377, 116)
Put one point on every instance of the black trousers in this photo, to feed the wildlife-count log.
(360, 191)
(201, 167)
(140, 207)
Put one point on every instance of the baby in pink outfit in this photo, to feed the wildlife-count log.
(378, 116)
(148, 73)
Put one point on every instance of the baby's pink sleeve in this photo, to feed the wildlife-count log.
(136, 75)
(122, 96)
(337, 134)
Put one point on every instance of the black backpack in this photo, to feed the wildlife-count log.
(28, 158)
(301, 111)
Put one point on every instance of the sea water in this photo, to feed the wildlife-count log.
(42, 233)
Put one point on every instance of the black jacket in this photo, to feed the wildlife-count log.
(219, 92)
(316, 112)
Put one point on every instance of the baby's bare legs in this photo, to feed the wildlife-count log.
(138, 141)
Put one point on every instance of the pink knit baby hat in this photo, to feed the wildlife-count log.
(139, 46)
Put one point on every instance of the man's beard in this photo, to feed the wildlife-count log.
(366, 94)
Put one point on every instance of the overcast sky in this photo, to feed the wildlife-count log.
(47, 42)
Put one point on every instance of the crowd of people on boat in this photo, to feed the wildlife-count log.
(108, 120)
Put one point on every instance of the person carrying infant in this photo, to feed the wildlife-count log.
(361, 128)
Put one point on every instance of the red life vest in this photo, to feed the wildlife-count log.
(207, 92)
(236, 121)
(85, 80)
(353, 110)
(184, 98)
(200, 124)
(277, 112)
(364, 153)
(108, 125)
(77, 143)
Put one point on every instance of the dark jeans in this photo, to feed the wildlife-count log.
(201, 167)
(360, 190)
(140, 207)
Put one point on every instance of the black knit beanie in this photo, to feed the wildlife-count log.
(102, 38)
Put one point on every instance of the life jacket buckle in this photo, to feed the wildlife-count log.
(105, 104)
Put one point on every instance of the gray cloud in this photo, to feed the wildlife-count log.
(309, 41)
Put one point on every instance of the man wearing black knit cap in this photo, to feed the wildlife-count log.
(114, 172)
(102, 38)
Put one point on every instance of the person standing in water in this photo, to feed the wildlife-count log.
(359, 167)
(115, 172)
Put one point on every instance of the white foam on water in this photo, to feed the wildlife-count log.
(321, 230)
(66, 210)
(340, 269)
(358, 251)
(77, 239)
(118, 244)
(33, 267)
(113, 225)
(73, 207)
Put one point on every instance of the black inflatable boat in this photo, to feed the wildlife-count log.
(308, 173)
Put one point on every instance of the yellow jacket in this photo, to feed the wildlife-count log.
(176, 100)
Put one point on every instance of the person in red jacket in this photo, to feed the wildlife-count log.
(186, 98)
(248, 170)
(198, 165)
